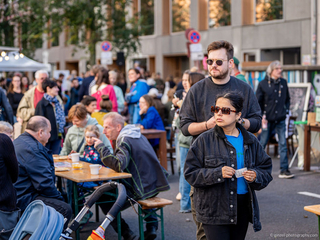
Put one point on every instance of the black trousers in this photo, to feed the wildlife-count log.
(231, 231)
(61, 207)
(105, 207)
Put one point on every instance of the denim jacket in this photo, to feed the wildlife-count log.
(214, 198)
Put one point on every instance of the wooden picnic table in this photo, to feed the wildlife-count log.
(84, 175)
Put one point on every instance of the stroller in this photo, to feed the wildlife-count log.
(41, 222)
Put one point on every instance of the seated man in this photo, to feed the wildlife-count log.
(36, 168)
(133, 155)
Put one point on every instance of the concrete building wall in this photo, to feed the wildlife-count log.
(293, 31)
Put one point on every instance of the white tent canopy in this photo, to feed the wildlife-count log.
(22, 64)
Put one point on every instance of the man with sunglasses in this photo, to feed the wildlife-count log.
(195, 113)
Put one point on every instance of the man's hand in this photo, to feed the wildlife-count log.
(97, 141)
(211, 123)
(175, 100)
(228, 172)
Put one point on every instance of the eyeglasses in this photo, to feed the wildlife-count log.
(219, 62)
(224, 110)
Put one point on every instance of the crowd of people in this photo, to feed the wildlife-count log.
(214, 118)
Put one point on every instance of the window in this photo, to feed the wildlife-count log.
(147, 13)
(267, 10)
(180, 15)
(219, 13)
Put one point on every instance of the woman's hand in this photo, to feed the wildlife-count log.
(69, 155)
(228, 172)
(96, 141)
(175, 100)
(249, 175)
(143, 110)
(179, 103)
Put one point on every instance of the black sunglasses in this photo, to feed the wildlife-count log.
(219, 62)
(224, 110)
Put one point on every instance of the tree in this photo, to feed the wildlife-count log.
(85, 23)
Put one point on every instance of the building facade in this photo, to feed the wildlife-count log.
(260, 30)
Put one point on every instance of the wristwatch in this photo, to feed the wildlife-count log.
(242, 122)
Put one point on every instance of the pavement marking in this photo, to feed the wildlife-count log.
(310, 194)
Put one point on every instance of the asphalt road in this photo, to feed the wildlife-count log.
(281, 210)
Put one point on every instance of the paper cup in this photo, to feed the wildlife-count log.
(94, 169)
(75, 157)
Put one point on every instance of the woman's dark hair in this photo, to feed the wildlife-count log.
(103, 77)
(149, 100)
(105, 103)
(195, 77)
(48, 83)
(235, 98)
(10, 89)
(136, 71)
(87, 100)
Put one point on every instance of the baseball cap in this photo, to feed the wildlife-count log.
(236, 61)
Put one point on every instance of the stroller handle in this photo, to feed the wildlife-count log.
(122, 196)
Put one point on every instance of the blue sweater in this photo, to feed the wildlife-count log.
(151, 120)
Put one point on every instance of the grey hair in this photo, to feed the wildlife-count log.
(112, 72)
(115, 117)
(5, 127)
(272, 66)
(36, 75)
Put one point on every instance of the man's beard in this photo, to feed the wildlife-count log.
(221, 75)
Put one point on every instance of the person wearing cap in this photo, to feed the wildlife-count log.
(235, 70)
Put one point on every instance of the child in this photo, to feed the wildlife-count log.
(105, 107)
(90, 154)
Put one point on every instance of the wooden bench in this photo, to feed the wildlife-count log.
(316, 210)
(152, 205)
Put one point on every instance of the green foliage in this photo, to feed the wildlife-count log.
(84, 21)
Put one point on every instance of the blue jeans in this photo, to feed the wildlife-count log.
(176, 143)
(280, 128)
(184, 186)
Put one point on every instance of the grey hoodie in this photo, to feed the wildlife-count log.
(75, 136)
(130, 131)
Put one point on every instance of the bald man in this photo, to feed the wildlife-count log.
(36, 179)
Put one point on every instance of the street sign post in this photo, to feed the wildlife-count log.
(194, 37)
(106, 46)
(106, 58)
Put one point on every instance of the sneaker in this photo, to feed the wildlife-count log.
(185, 211)
(150, 234)
(178, 197)
(286, 174)
(128, 235)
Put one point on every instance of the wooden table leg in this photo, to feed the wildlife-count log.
(163, 150)
(307, 142)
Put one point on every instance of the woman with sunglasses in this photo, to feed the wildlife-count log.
(225, 165)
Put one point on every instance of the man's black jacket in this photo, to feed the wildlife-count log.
(274, 99)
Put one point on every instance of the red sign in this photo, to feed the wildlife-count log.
(106, 46)
(194, 36)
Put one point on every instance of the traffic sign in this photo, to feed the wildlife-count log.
(106, 58)
(194, 36)
(106, 46)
